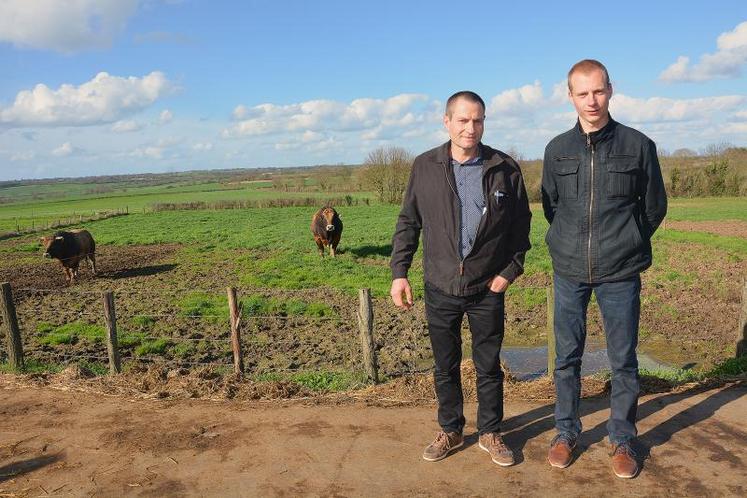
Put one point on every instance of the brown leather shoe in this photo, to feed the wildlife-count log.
(445, 443)
(492, 442)
(561, 450)
(624, 462)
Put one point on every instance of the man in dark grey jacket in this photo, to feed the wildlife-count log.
(470, 203)
(603, 194)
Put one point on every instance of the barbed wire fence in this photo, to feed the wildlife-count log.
(233, 335)
(247, 342)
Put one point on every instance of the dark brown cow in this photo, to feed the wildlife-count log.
(70, 248)
(326, 226)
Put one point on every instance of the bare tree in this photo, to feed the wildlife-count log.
(386, 171)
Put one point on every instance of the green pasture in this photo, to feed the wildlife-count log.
(41, 211)
(273, 247)
(707, 209)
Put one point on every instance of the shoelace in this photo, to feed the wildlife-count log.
(497, 441)
(624, 448)
(570, 441)
(442, 440)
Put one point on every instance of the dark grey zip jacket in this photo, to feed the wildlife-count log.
(431, 204)
(604, 197)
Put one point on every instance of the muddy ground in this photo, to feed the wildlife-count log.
(685, 321)
(80, 443)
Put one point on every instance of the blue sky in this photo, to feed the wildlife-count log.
(93, 87)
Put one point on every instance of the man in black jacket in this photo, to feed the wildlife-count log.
(603, 194)
(470, 203)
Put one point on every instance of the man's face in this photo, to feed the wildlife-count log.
(465, 124)
(590, 95)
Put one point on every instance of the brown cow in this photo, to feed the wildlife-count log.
(326, 226)
(70, 248)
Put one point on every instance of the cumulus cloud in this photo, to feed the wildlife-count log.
(329, 115)
(516, 100)
(64, 150)
(104, 99)
(151, 152)
(126, 126)
(661, 109)
(26, 155)
(203, 146)
(65, 26)
(166, 116)
(726, 62)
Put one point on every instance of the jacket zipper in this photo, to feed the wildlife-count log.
(591, 203)
(456, 194)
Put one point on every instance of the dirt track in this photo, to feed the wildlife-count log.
(64, 443)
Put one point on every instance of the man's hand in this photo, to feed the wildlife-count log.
(499, 284)
(401, 288)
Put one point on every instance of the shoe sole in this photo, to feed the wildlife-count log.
(493, 459)
(445, 454)
(559, 466)
(626, 476)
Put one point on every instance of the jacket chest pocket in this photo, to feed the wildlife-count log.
(566, 176)
(622, 176)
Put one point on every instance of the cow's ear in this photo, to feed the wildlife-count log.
(59, 237)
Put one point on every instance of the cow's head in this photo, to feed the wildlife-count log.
(52, 245)
(328, 216)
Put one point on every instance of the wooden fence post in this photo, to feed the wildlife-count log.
(235, 319)
(13, 333)
(742, 332)
(115, 365)
(550, 330)
(365, 328)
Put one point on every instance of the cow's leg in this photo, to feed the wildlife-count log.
(68, 275)
(332, 249)
(320, 246)
(92, 263)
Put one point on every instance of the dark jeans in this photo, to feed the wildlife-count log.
(485, 313)
(620, 304)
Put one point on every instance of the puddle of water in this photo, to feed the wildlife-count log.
(531, 363)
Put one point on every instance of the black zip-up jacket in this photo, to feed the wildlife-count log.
(431, 204)
(604, 197)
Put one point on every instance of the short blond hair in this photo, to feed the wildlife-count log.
(586, 66)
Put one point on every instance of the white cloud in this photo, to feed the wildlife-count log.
(126, 126)
(104, 99)
(203, 146)
(661, 109)
(64, 150)
(64, 25)
(559, 92)
(166, 116)
(726, 62)
(26, 155)
(516, 100)
(149, 152)
(327, 115)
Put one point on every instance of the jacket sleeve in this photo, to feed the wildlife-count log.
(518, 239)
(549, 189)
(407, 232)
(653, 196)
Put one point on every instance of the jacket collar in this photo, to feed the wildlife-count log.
(490, 157)
(599, 135)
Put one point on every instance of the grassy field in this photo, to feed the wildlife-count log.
(272, 248)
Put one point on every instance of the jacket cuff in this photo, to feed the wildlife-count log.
(399, 273)
(511, 272)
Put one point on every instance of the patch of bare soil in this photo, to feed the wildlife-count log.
(728, 228)
(112, 263)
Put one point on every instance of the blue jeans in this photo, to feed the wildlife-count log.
(620, 304)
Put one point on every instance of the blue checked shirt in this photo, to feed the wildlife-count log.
(468, 178)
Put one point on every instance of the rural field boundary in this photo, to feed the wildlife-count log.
(64, 222)
(239, 325)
